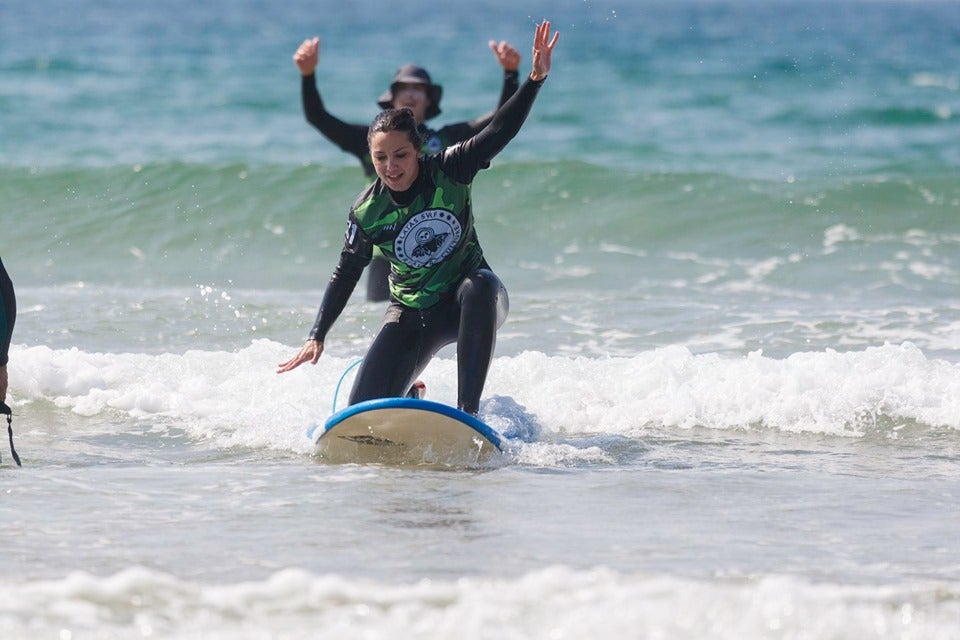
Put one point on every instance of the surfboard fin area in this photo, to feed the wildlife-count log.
(406, 431)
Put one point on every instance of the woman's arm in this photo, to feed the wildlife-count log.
(356, 255)
(342, 283)
(509, 59)
(464, 161)
(460, 131)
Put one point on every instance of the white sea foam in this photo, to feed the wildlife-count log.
(555, 603)
(237, 399)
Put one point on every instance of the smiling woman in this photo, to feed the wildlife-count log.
(394, 140)
(413, 88)
(418, 214)
(743, 392)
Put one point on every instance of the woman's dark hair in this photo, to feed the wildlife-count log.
(397, 120)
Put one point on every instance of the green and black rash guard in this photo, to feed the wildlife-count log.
(352, 138)
(8, 314)
(427, 232)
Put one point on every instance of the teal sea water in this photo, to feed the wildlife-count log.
(731, 234)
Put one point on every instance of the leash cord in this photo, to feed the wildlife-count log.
(5, 409)
(336, 391)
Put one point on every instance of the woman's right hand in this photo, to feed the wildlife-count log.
(309, 353)
(307, 55)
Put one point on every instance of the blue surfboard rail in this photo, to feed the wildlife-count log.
(421, 405)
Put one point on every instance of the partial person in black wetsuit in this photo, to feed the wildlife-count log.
(8, 315)
(412, 87)
(419, 214)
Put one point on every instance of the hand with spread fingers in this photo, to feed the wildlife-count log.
(542, 49)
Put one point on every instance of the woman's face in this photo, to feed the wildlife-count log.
(413, 96)
(394, 159)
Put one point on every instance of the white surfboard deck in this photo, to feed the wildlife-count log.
(406, 431)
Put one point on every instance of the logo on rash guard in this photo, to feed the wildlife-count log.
(431, 145)
(427, 238)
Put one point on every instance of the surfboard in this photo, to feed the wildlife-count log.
(406, 431)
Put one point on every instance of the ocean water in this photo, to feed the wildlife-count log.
(731, 234)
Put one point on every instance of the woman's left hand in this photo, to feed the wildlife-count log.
(542, 49)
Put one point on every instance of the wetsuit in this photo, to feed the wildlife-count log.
(8, 314)
(352, 138)
(442, 290)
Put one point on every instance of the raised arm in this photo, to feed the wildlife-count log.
(476, 153)
(509, 59)
(351, 138)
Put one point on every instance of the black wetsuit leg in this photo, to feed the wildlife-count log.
(378, 284)
(409, 338)
(484, 305)
(406, 342)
